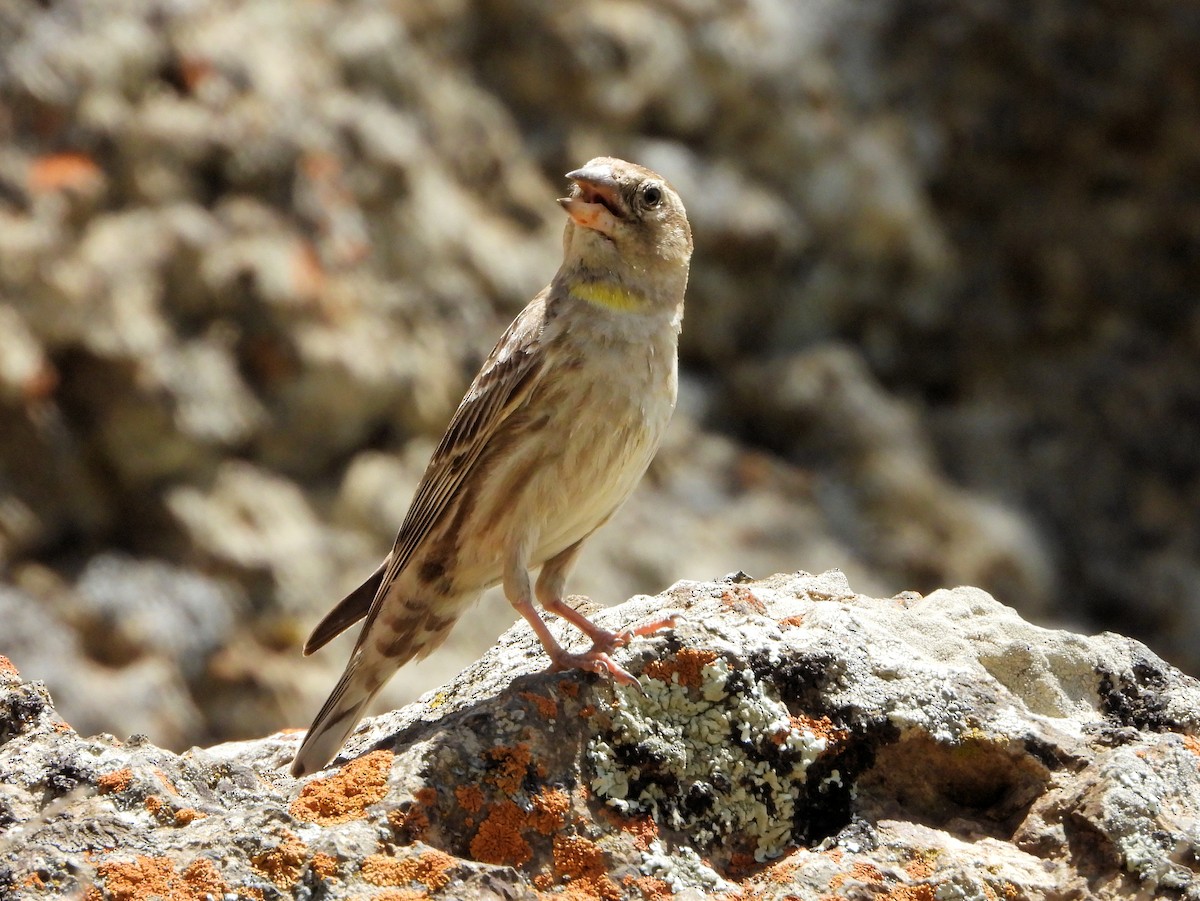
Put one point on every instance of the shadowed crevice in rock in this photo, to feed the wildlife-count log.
(972, 788)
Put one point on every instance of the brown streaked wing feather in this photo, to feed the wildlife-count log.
(502, 385)
(349, 610)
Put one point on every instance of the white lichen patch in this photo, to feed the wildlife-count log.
(718, 760)
(682, 869)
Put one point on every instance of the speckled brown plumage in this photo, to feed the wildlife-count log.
(551, 438)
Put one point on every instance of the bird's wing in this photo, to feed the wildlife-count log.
(348, 611)
(502, 385)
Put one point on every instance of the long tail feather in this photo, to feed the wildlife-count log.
(335, 722)
(369, 668)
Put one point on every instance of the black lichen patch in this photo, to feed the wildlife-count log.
(1051, 756)
(1135, 698)
(20, 708)
(802, 681)
(827, 805)
(64, 776)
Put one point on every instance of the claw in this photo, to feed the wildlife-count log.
(597, 660)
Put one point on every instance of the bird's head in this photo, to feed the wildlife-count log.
(626, 220)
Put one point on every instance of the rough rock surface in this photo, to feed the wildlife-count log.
(941, 328)
(788, 739)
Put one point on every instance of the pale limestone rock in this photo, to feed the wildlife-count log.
(791, 739)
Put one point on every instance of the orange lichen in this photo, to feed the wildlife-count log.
(861, 871)
(910, 893)
(347, 794)
(145, 877)
(569, 688)
(324, 865)
(204, 878)
(782, 872)
(400, 894)
(512, 766)
(742, 600)
(8, 668)
(643, 829)
(821, 727)
(792, 621)
(430, 868)
(582, 862)
(499, 838)
(1192, 743)
(547, 707)
(116, 781)
(166, 781)
(155, 805)
(866, 872)
(283, 863)
(469, 797)
(921, 866)
(409, 823)
(740, 864)
(688, 664)
(587, 711)
(550, 807)
(652, 889)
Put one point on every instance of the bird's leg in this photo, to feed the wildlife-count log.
(520, 595)
(550, 584)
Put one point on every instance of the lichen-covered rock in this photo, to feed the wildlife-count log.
(941, 325)
(788, 739)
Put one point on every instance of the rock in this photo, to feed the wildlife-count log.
(132, 645)
(880, 487)
(248, 249)
(788, 739)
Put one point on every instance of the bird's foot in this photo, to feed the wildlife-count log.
(597, 660)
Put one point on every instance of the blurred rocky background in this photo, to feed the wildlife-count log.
(942, 329)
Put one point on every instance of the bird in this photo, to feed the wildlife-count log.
(551, 438)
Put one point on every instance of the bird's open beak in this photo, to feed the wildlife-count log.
(595, 202)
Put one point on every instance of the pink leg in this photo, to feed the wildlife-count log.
(551, 582)
(519, 594)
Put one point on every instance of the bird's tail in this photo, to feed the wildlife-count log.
(366, 673)
(337, 718)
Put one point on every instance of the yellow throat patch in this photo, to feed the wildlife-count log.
(609, 294)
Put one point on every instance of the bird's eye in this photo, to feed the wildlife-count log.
(652, 195)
